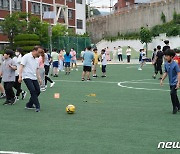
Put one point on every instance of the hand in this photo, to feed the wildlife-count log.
(40, 82)
(161, 82)
(20, 79)
(178, 86)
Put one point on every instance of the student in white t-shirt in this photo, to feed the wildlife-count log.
(103, 62)
(128, 54)
(120, 53)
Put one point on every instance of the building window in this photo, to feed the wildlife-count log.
(61, 14)
(35, 8)
(4, 4)
(79, 24)
(79, 1)
(16, 4)
(70, 14)
(45, 8)
(69, 0)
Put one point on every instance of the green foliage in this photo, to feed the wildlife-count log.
(163, 18)
(26, 41)
(59, 30)
(145, 35)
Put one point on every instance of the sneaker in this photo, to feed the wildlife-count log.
(82, 79)
(52, 84)
(159, 78)
(154, 77)
(76, 69)
(46, 86)
(30, 108)
(103, 76)
(43, 89)
(13, 101)
(139, 69)
(174, 111)
(24, 94)
(3, 95)
(37, 110)
(6, 103)
(89, 79)
(17, 98)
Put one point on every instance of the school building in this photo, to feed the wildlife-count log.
(70, 13)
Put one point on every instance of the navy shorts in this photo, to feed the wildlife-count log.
(55, 64)
(67, 64)
(104, 68)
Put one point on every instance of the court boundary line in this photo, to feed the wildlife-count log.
(13, 152)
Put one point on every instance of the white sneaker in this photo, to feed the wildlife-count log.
(71, 69)
(43, 89)
(52, 84)
(46, 86)
(76, 69)
(140, 69)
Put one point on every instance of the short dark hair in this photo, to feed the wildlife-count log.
(166, 41)
(55, 49)
(159, 47)
(89, 48)
(37, 47)
(103, 50)
(19, 50)
(95, 49)
(169, 52)
(155, 49)
(177, 50)
(9, 52)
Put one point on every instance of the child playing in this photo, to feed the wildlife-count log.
(17, 59)
(142, 59)
(158, 61)
(173, 72)
(67, 60)
(8, 76)
(103, 62)
(95, 63)
(73, 59)
(177, 57)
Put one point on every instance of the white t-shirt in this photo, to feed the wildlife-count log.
(120, 51)
(17, 60)
(128, 52)
(30, 66)
(104, 60)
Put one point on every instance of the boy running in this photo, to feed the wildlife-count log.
(172, 70)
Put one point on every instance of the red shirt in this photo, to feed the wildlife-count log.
(177, 59)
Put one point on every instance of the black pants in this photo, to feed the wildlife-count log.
(34, 89)
(120, 57)
(174, 97)
(17, 86)
(128, 58)
(159, 68)
(8, 87)
(46, 67)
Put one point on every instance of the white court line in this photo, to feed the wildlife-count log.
(85, 81)
(12, 152)
(120, 84)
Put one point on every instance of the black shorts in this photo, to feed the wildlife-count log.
(104, 68)
(0, 79)
(87, 68)
(67, 64)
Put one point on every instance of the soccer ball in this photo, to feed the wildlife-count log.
(70, 109)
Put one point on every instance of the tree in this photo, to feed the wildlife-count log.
(145, 37)
(58, 30)
(12, 25)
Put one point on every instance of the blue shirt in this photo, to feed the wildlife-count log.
(88, 57)
(172, 69)
(67, 58)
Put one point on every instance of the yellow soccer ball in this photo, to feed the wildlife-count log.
(70, 109)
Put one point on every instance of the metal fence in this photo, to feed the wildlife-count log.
(68, 42)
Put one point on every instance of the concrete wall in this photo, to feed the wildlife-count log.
(131, 20)
(136, 44)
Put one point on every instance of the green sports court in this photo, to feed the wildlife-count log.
(130, 114)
